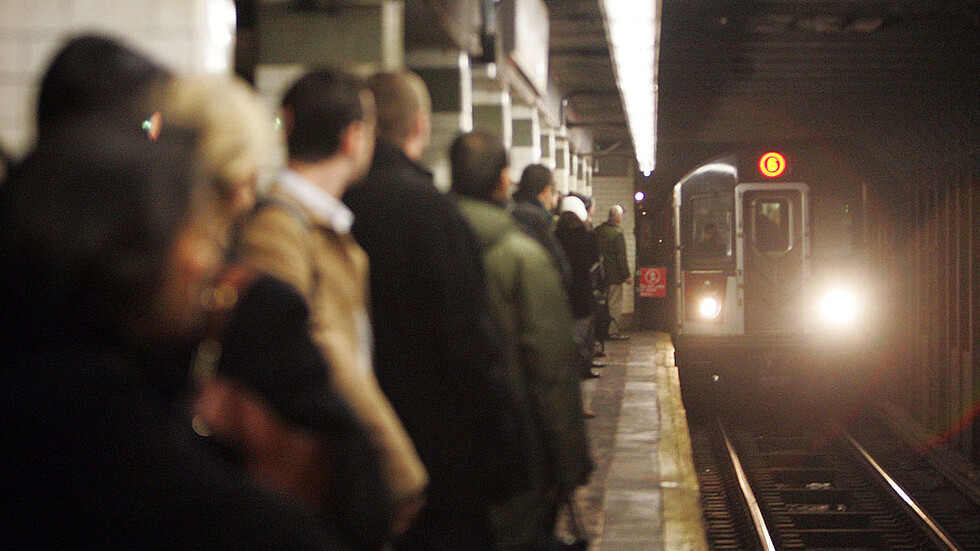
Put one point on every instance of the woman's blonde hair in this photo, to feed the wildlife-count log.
(236, 130)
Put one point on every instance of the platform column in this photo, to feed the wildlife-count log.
(449, 78)
(562, 160)
(526, 146)
(548, 145)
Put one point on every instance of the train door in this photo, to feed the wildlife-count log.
(773, 255)
(704, 217)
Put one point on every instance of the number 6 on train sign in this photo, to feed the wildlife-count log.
(772, 164)
(653, 282)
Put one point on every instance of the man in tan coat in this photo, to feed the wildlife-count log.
(300, 234)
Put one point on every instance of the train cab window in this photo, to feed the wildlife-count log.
(711, 235)
(771, 225)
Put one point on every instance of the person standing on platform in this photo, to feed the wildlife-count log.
(531, 309)
(437, 357)
(615, 268)
(300, 233)
(583, 258)
(534, 203)
(265, 402)
(107, 241)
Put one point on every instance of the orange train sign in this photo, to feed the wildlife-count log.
(772, 164)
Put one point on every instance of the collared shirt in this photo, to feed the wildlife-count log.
(321, 203)
(340, 218)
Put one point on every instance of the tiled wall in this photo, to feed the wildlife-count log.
(186, 35)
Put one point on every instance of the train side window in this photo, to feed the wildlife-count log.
(771, 225)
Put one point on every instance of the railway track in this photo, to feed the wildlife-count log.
(796, 488)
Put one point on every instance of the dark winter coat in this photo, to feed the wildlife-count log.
(531, 309)
(579, 245)
(540, 224)
(437, 356)
(90, 462)
(612, 248)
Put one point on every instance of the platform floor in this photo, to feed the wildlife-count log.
(643, 493)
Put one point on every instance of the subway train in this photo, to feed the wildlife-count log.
(770, 287)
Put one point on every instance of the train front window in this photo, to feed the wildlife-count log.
(771, 225)
(711, 231)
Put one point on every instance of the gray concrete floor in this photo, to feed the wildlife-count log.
(643, 493)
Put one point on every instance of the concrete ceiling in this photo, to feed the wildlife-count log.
(899, 79)
(580, 63)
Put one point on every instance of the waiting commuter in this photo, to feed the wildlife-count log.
(583, 257)
(300, 234)
(615, 268)
(437, 357)
(235, 132)
(535, 201)
(267, 401)
(96, 74)
(106, 244)
(589, 208)
(531, 310)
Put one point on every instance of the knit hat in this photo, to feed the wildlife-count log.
(575, 205)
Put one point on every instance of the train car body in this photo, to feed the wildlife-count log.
(750, 306)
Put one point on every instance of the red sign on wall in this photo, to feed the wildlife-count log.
(653, 282)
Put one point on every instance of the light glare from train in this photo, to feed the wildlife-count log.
(839, 306)
(709, 308)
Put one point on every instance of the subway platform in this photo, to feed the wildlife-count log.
(643, 493)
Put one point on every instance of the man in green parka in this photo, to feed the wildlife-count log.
(615, 267)
(530, 307)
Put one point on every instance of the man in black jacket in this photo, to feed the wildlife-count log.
(534, 202)
(436, 355)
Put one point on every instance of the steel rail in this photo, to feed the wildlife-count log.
(939, 534)
(762, 530)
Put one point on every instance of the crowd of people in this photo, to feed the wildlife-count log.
(341, 358)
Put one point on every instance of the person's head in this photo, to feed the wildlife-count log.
(404, 111)
(615, 214)
(574, 205)
(710, 232)
(537, 182)
(478, 163)
(93, 73)
(329, 114)
(105, 234)
(236, 133)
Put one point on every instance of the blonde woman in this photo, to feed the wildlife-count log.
(267, 396)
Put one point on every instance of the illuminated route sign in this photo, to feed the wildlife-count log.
(772, 164)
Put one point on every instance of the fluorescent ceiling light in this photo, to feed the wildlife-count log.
(633, 31)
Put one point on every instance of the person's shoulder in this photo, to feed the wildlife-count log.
(526, 212)
(277, 210)
(529, 249)
(403, 192)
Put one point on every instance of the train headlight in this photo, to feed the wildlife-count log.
(839, 307)
(709, 307)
